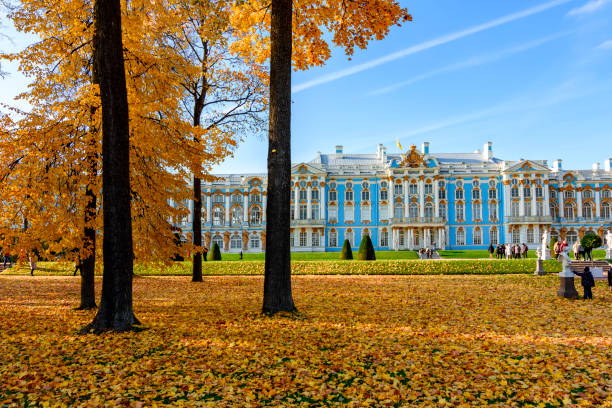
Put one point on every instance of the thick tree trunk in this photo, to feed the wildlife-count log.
(197, 229)
(88, 263)
(277, 280)
(115, 312)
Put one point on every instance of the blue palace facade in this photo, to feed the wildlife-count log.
(416, 199)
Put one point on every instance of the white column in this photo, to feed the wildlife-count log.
(436, 199)
(560, 199)
(227, 208)
(521, 200)
(546, 200)
(309, 202)
(579, 202)
(421, 198)
(208, 206)
(533, 200)
(507, 200)
(406, 213)
(265, 206)
(323, 202)
(597, 204)
(245, 217)
(296, 213)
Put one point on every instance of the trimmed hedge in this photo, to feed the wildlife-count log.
(347, 252)
(366, 249)
(216, 253)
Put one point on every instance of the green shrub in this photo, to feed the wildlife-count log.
(551, 246)
(216, 253)
(347, 252)
(366, 249)
(590, 241)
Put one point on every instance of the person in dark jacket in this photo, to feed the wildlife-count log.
(491, 250)
(587, 282)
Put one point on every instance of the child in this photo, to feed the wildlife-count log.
(587, 282)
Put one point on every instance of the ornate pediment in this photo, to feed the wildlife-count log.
(413, 159)
(525, 166)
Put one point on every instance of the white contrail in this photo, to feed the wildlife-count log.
(470, 63)
(427, 45)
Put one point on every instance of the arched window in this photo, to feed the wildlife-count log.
(516, 236)
(349, 213)
(460, 237)
(365, 213)
(477, 236)
(218, 239)
(605, 193)
(315, 239)
(255, 197)
(218, 215)
(442, 211)
(237, 198)
(587, 211)
(429, 210)
(460, 212)
(476, 211)
(569, 211)
(398, 210)
(315, 214)
(333, 238)
(236, 242)
(492, 211)
(413, 209)
(255, 215)
(514, 209)
(254, 242)
(384, 238)
(527, 208)
(218, 198)
(571, 237)
(554, 210)
(587, 194)
(493, 236)
(236, 215)
(539, 208)
(605, 211)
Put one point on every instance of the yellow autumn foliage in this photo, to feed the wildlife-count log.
(357, 341)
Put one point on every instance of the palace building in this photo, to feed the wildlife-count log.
(417, 199)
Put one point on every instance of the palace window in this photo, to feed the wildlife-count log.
(587, 211)
(332, 213)
(237, 198)
(314, 212)
(398, 210)
(442, 194)
(477, 236)
(348, 195)
(398, 189)
(303, 195)
(384, 239)
(459, 194)
(217, 198)
(255, 198)
(255, 216)
(569, 211)
(383, 184)
(554, 210)
(459, 183)
(303, 238)
(236, 242)
(384, 212)
(587, 194)
(475, 194)
(530, 236)
(491, 184)
(568, 194)
(429, 188)
(493, 236)
(413, 189)
(527, 208)
(348, 235)
(605, 211)
(292, 212)
(539, 192)
(333, 195)
(254, 242)
(401, 238)
(553, 194)
(442, 211)
(315, 239)
(475, 183)
(333, 239)
(315, 194)
(605, 193)
(384, 195)
(218, 239)
(441, 184)
(460, 237)
(303, 211)
(365, 195)
(218, 216)
(476, 211)
(365, 213)
(413, 210)
(459, 212)
(332, 184)
(527, 191)
(492, 194)
(429, 210)
(292, 240)
(514, 209)
(514, 192)
(349, 213)
(514, 182)
(236, 215)
(492, 211)
(516, 236)
(571, 237)
(540, 209)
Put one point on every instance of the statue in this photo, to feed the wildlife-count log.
(539, 264)
(609, 244)
(566, 288)
(545, 249)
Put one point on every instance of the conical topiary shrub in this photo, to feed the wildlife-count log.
(366, 249)
(347, 252)
(216, 253)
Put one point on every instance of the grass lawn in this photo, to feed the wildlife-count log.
(404, 341)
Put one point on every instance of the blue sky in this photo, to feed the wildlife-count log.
(533, 77)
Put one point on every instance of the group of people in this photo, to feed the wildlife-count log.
(580, 252)
(508, 251)
(425, 253)
(32, 260)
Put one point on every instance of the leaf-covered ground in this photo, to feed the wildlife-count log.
(430, 341)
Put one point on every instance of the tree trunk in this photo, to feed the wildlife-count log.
(277, 280)
(88, 263)
(115, 312)
(197, 229)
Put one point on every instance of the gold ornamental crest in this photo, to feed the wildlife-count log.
(413, 158)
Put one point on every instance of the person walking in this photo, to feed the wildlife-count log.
(587, 254)
(576, 250)
(508, 251)
(7, 258)
(525, 251)
(32, 258)
(587, 282)
(557, 249)
(491, 250)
